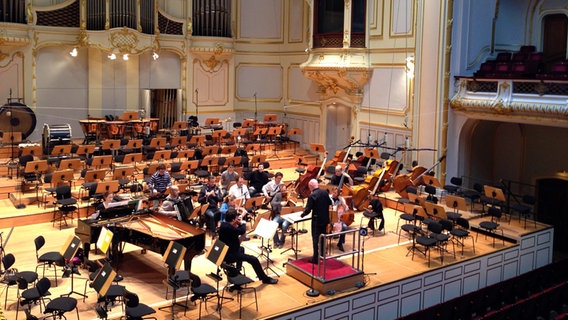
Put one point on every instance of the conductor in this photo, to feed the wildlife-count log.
(318, 204)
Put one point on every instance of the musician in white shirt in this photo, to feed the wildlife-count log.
(239, 190)
(272, 187)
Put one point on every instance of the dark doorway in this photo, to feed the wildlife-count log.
(554, 38)
(552, 208)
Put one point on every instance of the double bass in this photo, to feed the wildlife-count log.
(413, 178)
(347, 216)
(313, 171)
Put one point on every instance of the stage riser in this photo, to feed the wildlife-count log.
(324, 286)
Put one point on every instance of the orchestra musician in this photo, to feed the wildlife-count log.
(272, 187)
(211, 194)
(240, 190)
(229, 233)
(108, 197)
(227, 177)
(276, 205)
(339, 204)
(336, 178)
(257, 180)
(174, 207)
(160, 181)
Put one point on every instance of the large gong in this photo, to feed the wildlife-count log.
(17, 117)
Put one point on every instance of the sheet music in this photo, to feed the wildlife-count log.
(296, 217)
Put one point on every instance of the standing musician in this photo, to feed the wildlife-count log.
(318, 204)
(272, 187)
(210, 193)
(229, 233)
(339, 204)
(336, 178)
(276, 205)
(174, 207)
(160, 181)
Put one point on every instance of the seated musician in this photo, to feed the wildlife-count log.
(339, 204)
(257, 179)
(174, 206)
(272, 187)
(229, 233)
(276, 206)
(211, 194)
(336, 178)
(239, 190)
(160, 181)
(227, 177)
(108, 197)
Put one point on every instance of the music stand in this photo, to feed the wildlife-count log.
(254, 147)
(123, 175)
(273, 132)
(61, 150)
(266, 229)
(494, 193)
(257, 159)
(133, 144)
(269, 117)
(37, 167)
(71, 248)
(435, 210)
(107, 186)
(162, 155)
(179, 141)
(235, 161)
(456, 203)
(229, 150)
(186, 154)
(173, 256)
(197, 140)
(102, 161)
(32, 150)
(431, 181)
(293, 215)
(73, 164)
(85, 149)
(216, 254)
(211, 121)
(104, 279)
(11, 138)
(157, 143)
(218, 135)
(94, 175)
(318, 148)
(129, 115)
(249, 123)
(111, 144)
(179, 125)
(371, 153)
(293, 132)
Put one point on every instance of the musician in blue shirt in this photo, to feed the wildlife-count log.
(160, 181)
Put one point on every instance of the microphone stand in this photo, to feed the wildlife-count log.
(312, 292)
(255, 108)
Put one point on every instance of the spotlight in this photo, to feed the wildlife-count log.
(155, 55)
(125, 57)
(74, 52)
(112, 56)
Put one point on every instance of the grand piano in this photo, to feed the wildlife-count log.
(149, 231)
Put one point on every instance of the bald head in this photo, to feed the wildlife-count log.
(313, 184)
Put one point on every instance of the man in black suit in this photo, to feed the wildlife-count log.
(318, 204)
(229, 232)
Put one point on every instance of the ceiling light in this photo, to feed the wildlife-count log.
(125, 57)
(155, 55)
(74, 52)
(112, 56)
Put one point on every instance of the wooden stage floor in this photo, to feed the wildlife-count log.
(384, 261)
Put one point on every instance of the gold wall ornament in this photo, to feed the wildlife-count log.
(29, 13)
(83, 39)
(124, 39)
(3, 55)
(211, 63)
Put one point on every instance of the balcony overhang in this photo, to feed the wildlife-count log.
(510, 100)
(339, 72)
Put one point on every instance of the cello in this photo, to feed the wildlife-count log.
(413, 178)
(302, 189)
(347, 216)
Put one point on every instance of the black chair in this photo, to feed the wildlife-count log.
(431, 191)
(403, 201)
(59, 306)
(524, 209)
(237, 282)
(409, 223)
(492, 226)
(47, 259)
(11, 275)
(203, 293)
(472, 194)
(65, 205)
(428, 241)
(134, 309)
(33, 295)
(360, 175)
(28, 178)
(460, 233)
(454, 186)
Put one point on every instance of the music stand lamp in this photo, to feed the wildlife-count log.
(172, 258)
(216, 254)
(71, 248)
(266, 229)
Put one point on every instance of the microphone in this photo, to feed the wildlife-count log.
(254, 94)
